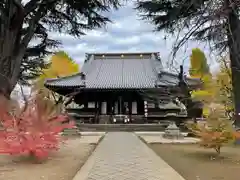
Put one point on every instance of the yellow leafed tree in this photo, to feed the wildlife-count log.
(198, 61)
(216, 89)
(218, 130)
(224, 84)
(60, 65)
(200, 69)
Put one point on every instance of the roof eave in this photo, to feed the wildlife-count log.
(124, 53)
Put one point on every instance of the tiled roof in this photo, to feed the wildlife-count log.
(172, 79)
(73, 81)
(114, 71)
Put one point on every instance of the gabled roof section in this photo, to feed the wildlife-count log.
(169, 78)
(68, 81)
(119, 71)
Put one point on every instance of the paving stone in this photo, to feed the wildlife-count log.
(123, 156)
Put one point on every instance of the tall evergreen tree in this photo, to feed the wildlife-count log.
(206, 20)
(22, 21)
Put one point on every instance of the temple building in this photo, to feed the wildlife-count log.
(132, 84)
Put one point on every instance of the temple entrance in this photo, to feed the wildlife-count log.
(102, 106)
(121, 106)
(120, 111)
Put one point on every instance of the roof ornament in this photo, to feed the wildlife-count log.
(158, 56)
(83, 78)
(87, 57)
(182, 79)
(181, 74)
(152, 56)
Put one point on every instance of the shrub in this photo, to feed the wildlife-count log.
(35, 131)
(217, 131)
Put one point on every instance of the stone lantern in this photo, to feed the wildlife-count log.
(172, 132)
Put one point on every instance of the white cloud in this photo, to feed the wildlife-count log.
(134, 40)
(126, 34)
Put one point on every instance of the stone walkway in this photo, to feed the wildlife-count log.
(123, 156)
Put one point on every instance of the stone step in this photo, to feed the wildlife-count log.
(121, 127)
(71, 132)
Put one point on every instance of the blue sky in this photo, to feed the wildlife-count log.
(127, 33)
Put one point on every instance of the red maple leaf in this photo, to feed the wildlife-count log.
(35, 131)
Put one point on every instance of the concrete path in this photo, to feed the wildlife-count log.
(122, 156)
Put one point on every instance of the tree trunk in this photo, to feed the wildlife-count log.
(11, 48)
(10, 69)
(7, 63)
(234, 51)
(7, 82)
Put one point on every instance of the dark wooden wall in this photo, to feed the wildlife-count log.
(99, 96)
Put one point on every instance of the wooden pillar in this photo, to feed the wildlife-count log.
(100, 107)
(85, 104)
(113, 107)
(99, 111)
(109, 106)
(130, 100)
(129, 107)
(96, 112)
(130, 110)
(119, 105)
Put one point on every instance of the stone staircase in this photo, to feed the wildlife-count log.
(104, 119)
(71, 132)
(121, 127)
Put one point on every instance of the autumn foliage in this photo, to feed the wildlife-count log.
(198, 61)
(60, 65)
(216, 131)
(35, 131)
(217, 128)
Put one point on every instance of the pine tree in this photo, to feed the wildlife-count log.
(216, 22)
(23, 21)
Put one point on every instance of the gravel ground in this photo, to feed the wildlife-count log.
(196, 163)
(61, 165)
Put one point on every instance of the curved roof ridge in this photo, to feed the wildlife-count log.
(124, 53)
(176, 74)
(87, 63)
(64, 77)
